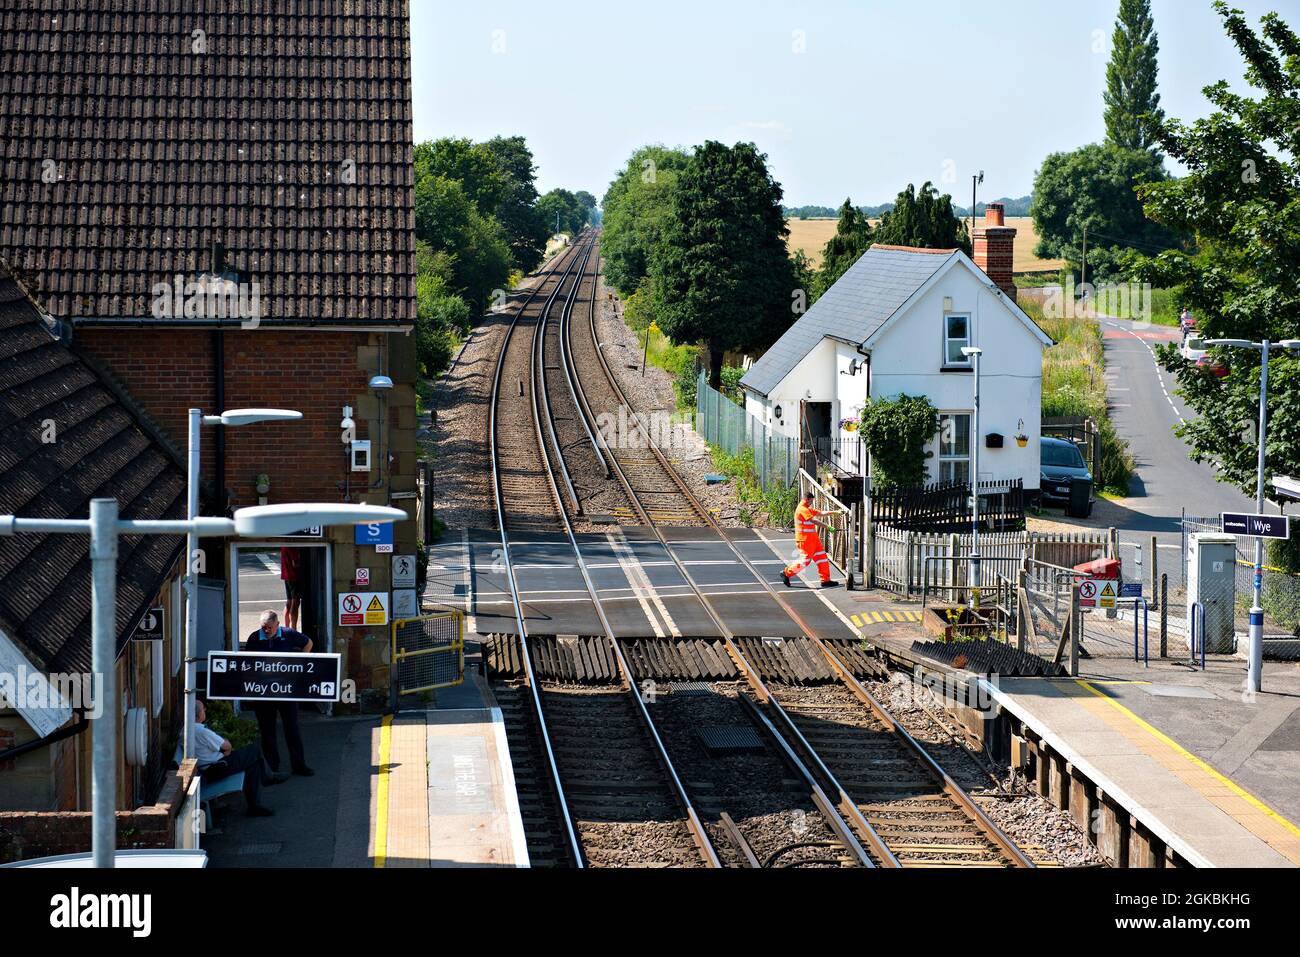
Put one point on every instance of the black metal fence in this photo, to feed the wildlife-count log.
(945, 507)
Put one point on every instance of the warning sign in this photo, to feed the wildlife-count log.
(361, 608)
(1097, 592)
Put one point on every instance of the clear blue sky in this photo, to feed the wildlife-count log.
(886, 92)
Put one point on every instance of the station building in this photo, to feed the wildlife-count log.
(216, 209)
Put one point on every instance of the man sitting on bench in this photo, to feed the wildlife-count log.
(216, 759)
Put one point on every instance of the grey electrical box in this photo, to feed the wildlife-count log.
(1212, 580)
(361, 455)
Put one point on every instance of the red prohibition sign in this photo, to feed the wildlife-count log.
(1088, 589)
(351, 603)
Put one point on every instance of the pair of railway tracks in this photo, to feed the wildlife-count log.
(792, 775)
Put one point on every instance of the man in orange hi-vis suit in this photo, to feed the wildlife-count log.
(809, 544)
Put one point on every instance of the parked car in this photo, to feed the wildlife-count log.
(1193, 349)
(1060, 463)
(1215, 367)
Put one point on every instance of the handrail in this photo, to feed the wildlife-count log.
(1146, 649)
(1197, 606)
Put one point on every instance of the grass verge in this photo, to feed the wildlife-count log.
(1074, 384)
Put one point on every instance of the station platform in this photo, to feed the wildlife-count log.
(1211, 771)
(444, 792)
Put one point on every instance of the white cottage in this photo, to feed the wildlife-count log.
(895, 323)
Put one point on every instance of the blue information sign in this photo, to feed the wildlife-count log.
(378, 534)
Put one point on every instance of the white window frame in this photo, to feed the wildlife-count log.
(948, 339)
(968, 458)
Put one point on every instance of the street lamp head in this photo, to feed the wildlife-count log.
(969, 351)
(1290, 344)
(290, 518)
(1233, 343)
(249, 416)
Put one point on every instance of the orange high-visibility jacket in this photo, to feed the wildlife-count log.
(804, 529)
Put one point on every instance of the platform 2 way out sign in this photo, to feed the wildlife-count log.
(273, 676)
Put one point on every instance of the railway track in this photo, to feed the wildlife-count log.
(628, 806)
(881, 796)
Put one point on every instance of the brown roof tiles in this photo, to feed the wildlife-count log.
(130, 144)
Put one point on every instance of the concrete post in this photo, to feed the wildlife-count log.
(103, 603)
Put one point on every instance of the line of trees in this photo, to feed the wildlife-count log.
(1092, 188)
(922, 218)
(479, 224)
(695, 241)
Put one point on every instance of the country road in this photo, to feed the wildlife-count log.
(1145, 410)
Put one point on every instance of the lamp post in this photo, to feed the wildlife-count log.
(973, 353)
(1255, 662)
(197, 421)
(104, 526)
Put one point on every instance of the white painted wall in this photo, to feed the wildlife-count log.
(908, 357)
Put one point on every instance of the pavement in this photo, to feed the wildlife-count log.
(431, 786)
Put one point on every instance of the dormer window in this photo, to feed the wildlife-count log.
(956, 336)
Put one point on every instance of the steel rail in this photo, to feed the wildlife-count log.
(694, 824)
(954, 790)
(849, 809)
(530, 677)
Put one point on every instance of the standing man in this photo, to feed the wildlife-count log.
(291, 574)
(272, 636)
(809, 544)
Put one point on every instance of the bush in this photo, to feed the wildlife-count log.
(895, 433)
(236, 728)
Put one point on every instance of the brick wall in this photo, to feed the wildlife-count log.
(28, 834)
(316, 373)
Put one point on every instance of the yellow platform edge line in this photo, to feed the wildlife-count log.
(856, 620)
(381, 797)
(1202, 765)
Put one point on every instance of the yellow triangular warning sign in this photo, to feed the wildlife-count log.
(375, 604)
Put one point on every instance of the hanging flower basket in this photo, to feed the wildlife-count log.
(849, 425)
(1022, 440)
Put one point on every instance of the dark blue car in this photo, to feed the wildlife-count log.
(1060, 462)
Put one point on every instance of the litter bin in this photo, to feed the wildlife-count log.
(1080, 498)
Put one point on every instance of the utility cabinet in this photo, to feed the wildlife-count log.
(1212, 580)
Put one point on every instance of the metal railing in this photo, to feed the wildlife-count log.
(428, 652)
(723, 423)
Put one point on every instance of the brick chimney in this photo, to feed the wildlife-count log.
(995, 248)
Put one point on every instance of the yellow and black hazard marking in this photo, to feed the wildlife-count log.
(881, 617)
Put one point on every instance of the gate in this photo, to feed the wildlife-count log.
(428, 652)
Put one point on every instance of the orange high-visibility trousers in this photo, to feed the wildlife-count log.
(811, 548)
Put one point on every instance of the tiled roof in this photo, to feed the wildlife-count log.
(137, 134)
(854, 308)
(67, 436)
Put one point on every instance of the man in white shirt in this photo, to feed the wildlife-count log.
(216, 759)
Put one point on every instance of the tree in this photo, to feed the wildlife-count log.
(853, 237)
(525, 228)
(721, 271)
(589, 204)
(562, 207)
(637, 208)
(441, 317)
(925, 219)
(1241, 200)
(447, 220)
(1132, 104)
(1094, 186)
(473, 165)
